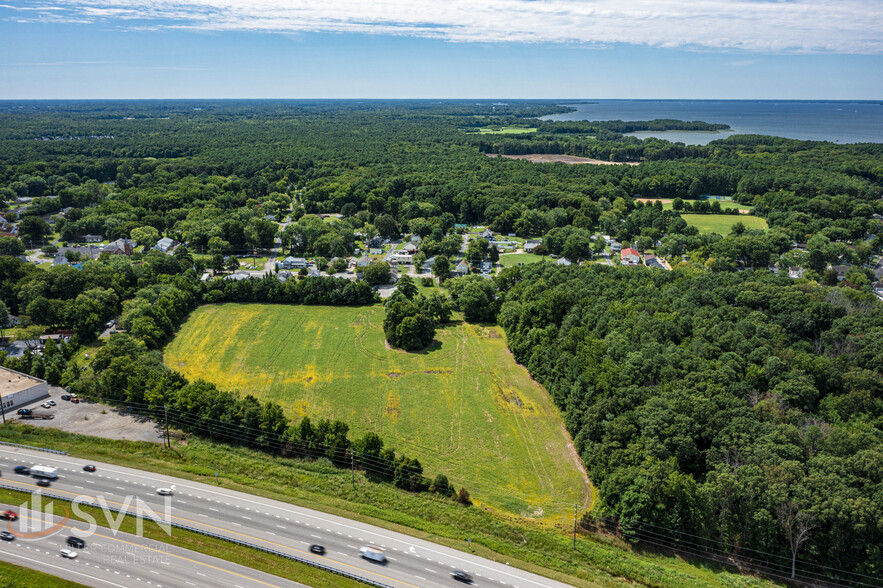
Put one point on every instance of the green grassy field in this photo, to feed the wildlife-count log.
(505, 130)
(510, 259)
(721, 223)
(463, 407)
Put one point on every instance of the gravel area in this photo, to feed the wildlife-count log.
(93, 418)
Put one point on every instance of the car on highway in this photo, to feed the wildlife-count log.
(88, 468)
(317, 549)
(43, 482)
(373, 553)
(22, 470)
(68, 553)
(165, 491)
(9, 516)
(461, 576)
(76, 542)
(7, 536)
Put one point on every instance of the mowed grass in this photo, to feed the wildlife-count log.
(510, 259)
(463, 407)
(14, 576)
(505, 130)
(722, 223)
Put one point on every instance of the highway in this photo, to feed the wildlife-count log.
(287, 528)
(126, 561)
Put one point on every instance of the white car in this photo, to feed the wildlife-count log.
(46, 405)
(50, 402)
(68, 553)
(165, 491)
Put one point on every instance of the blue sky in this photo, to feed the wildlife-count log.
(743, 49)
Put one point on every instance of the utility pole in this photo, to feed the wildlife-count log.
(574, 525)
(166, 413)
(353, 468)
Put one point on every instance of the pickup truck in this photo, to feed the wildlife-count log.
(8, 516)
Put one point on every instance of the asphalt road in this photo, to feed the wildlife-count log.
(125, 561)
(284, 527)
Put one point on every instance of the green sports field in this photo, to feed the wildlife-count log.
(721, 223)
(463, 408)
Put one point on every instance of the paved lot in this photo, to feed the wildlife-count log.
(92, 418)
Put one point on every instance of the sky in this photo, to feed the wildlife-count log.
(668, 49)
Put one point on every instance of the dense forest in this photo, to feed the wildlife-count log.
(714, 401)
(714, 405)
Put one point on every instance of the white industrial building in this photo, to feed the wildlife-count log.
(18, 389)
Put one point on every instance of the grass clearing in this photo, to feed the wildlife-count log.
(463, 407)
(597, 561)
(510, 259)
(722, 223)
(505, 130)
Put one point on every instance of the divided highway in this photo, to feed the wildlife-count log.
(412, 563)
(127, 561)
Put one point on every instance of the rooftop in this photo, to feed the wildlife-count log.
(12, 381)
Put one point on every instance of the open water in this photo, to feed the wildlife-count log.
(835, 121)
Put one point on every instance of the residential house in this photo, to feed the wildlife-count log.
(795, 272)
(313, 273)
(486, 267)
(532, 244)
(458, 226)
(270, 217)
(374, 243)
(486, 234)
(237, 277)
(563, 261)
(375, 251)
(877, 217)
(60, 260)
(364, 261)
(166, 245)
(615, 247)
(120, 247)
(427, 265)
(462, 268)
(415, 238)
(401, 257)
(504, 244)
(630, 256)
(841, 271)
(205, 277)
(291, 263)
(651, 260)
(410, 248)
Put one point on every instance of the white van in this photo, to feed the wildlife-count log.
(373, 553)
(39, 471)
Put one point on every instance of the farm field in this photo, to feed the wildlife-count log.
(725, 204)
(463, 407)
(510, 259)
(721, 223)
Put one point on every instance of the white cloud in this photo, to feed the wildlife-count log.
(831, 26)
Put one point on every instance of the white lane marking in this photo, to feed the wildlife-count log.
(66, 569)
(316, 536)
(431, 571)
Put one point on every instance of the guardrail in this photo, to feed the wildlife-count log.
(33, 448)
(217, 536)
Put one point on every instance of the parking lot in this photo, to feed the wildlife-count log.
(92, 418)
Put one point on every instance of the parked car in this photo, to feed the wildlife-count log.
(46, 405)
(75, 400)
(65, 397)
(24, 411)
(317, 549)
(22, 470)
(50, 402)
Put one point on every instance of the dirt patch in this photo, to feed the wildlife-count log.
(555, 158)
(309, 380)
(394, 375)
(433, 372)
(663, 200)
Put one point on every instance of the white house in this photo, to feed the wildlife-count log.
(532, 244)
(290, 263)
(166, 245)
(462, 268)
(486, 234)
(630, 256)
(563, 261)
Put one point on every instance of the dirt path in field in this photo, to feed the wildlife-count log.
(555, 158)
